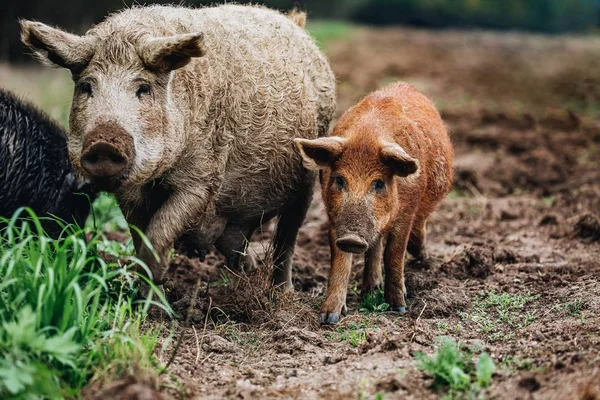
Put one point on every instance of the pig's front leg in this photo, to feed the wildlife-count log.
(182, 210)
(337, 286)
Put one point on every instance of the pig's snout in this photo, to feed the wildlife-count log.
(107, 155)
(103, 160)
(352, 244)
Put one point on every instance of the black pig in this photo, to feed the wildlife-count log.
(35, 169)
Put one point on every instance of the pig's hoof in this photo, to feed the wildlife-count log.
(284, 287)
(400, 309)
(330, 318)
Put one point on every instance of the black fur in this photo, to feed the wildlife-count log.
(35, 170)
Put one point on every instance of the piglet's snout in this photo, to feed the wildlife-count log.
(352, 244)
(108, 152)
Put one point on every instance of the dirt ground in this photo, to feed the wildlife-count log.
(523, 219)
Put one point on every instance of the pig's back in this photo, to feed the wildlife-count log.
(419, 129)
(276, 85)
(436, 153)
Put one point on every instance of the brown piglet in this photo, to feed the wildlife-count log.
(384, 169)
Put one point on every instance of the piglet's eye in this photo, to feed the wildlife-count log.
(143, 89)
(379, 185)
(340, 182)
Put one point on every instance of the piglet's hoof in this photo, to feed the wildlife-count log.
(400, 309)
(330, 318)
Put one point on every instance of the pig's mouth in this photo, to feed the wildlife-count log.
(107, 184)
(352, 243)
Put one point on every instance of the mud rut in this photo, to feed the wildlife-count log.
(523, 219)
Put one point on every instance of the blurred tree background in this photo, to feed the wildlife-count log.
(553, 16)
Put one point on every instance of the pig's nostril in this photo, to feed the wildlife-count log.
(91, 158)
(103, 160)
(116, 158)
(352, 244)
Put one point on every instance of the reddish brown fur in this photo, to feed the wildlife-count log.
(357, 151)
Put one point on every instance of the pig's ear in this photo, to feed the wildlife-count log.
(56, 47)
(165, 54)
(398, 160)
(320, 153)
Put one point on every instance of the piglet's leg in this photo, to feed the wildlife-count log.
(416, 241)
(372, 277)
(177, 214)
(339, 275)
(395, 249)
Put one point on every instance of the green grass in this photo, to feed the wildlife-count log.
(454, 367)
(66, 314)
(499, 315)
(327, 31)
(106, 215)
(515, 363)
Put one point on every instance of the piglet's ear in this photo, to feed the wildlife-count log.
(165, 54)
(396, 158)
(320, 153)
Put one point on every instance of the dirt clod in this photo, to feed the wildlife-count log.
(475, 261)
(129, 388)
(588, 227)
(530, 383)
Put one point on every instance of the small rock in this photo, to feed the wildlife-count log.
(530, 383)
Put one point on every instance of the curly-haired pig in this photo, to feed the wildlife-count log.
(385, 168)
(35, 170)
(188, 116)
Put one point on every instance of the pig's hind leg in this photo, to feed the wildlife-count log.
(416, 240)
(287, 231)
(233, 244)
(199, 240)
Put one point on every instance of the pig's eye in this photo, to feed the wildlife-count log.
(379, 185)
(339, 182)
(85, 88)
(143, 89)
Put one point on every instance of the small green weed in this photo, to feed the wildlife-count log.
(573, 309)
(374, 302)
(353, 332)
(443, 327)
(452, 367)
(515, 363)
(548, 200)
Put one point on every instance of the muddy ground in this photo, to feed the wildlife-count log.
(523, 220)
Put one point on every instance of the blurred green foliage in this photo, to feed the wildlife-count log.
(537, 15)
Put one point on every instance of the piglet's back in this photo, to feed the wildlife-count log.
(400, 113)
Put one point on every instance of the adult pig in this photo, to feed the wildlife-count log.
(35, 170)
(188, 116)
